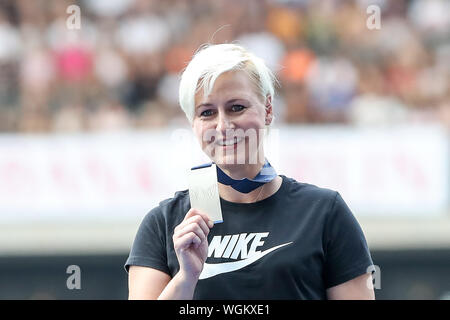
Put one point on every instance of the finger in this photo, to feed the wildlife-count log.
(186, 240)
(193, 227)
(192, 212)
(198, 220)
(193, 220)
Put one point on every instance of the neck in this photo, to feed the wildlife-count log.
(229, 194)
(241, 171)
(249, 171)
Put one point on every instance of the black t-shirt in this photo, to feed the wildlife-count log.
(292, 245)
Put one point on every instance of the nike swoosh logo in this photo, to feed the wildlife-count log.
(211, 270)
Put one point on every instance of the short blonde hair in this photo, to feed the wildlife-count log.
(210, 61)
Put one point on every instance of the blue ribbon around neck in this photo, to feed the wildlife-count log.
(245, 185)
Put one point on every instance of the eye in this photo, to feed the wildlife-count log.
(206, 113)
(237, 107)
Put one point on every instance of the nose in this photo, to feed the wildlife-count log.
(223, 122)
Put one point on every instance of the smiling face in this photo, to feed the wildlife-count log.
(230, 122)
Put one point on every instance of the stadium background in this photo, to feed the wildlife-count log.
(91, 133)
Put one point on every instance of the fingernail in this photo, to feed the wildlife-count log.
(210, 223)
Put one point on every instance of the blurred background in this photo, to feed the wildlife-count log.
(91, 132)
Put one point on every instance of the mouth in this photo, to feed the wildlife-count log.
(229, 142)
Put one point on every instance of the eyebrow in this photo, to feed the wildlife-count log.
(208, 104)
(204, 105)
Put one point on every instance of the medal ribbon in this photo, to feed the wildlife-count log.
(265, 175)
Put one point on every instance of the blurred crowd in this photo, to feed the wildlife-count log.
(120, 70)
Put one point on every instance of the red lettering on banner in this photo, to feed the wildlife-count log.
(302, 169)
(63, 179)
(410, 171)
(101, 175)
(143, 176)
(17, 178)
(374, 178)
(333, 170)
(321, 169)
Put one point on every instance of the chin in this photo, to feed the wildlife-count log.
(225, 160)
(233, 160)
(228, 157)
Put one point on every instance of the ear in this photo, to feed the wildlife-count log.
(269, 110)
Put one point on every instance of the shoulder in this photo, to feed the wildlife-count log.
(312, 201)
(170, 209)
(308, 191)
(179, 199)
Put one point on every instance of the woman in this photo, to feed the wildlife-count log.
(280, 239)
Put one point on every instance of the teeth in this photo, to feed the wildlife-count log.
(226, 143)
(229, 142)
